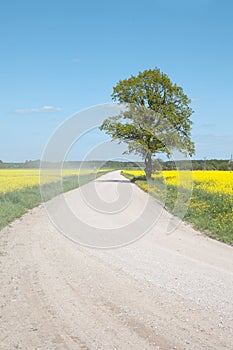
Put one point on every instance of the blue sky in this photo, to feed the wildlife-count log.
(59, 57)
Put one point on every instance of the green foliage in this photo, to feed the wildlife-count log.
(212, 213)
(197, 164)
(156, 119)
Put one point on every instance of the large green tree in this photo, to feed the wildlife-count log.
(156, 117)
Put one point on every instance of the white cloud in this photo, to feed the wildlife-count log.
(50, 109)
(43, 109)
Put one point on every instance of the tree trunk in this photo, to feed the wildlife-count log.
(148, 164)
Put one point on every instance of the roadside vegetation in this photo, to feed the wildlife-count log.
(210, 208)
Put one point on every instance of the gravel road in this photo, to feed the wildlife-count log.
(161, 292)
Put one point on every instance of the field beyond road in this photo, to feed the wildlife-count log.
(161, 292)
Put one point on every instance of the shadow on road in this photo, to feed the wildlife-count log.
(122, 181)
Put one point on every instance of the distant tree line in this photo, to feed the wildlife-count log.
(95, 164)
(201, 164)
(28, 164)
(158, 164)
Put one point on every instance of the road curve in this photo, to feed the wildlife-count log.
(160, 292)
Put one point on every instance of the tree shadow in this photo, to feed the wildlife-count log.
(120, 181)
(138, 178)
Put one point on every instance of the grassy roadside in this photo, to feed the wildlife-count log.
(15, 204)
(211, 213)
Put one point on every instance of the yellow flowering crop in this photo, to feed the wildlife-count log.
(210, 181)
(214, 181)
(17, 179)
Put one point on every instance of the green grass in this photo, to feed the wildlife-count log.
(208, 212)
(15, 204)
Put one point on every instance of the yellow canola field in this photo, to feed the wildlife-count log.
(211, 181)
(214, 181)
(17, 179)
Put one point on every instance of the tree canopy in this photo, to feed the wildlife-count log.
(156, 117)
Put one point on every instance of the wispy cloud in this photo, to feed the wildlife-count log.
(44, 109)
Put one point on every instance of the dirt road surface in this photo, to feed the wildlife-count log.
(161, 292)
